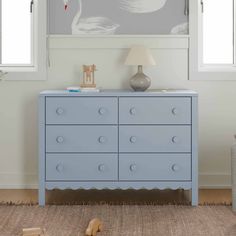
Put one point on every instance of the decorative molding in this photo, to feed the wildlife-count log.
(118, 42)
(125, 185)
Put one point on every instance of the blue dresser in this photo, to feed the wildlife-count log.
(118, 139)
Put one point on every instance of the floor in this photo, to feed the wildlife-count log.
(120, 220)
(206, 196)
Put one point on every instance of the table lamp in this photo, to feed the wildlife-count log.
(140, 56)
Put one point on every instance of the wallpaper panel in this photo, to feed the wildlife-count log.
(119, 17)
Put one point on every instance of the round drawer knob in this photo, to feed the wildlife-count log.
(102, 168)
(60, 139)
(175, 139)
(175, 168)
(102, 139)
(133, 139)
(132, 111)
(59, 111)
(102, 111)
(175, 111)
(133, 167)
(59, 167)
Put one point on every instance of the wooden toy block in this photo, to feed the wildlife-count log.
(95, 225)
(33, 232)
(89, 76)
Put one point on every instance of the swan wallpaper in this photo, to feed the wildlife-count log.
(117, 17)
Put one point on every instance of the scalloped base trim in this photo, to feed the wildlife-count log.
(119, 185)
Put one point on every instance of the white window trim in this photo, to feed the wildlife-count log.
(38, 71)
(197, 71)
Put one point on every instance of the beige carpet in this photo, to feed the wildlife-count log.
(135, 220)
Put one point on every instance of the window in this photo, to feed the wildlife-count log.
(216, 33)
(212, 51)
(23, 39)
(17, 38)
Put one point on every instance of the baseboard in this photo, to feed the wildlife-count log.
(18, 181)
(30, 181)
(214, 180)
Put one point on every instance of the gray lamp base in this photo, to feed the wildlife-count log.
(140, 82)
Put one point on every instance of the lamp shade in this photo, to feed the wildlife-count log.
(140, 55)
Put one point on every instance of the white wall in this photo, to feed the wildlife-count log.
(18, 103)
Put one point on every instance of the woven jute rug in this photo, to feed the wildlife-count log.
(123, 220)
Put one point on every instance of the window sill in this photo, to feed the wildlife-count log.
(217, 68)
(9, 69)
(22, 75)
(213, 74)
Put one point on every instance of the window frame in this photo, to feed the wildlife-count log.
(26, 67)
(38, 70)
(204, 66)
(198, 70)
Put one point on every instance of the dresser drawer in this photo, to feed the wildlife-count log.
(155, 110)
(155, 167)
(81, 167)
(155, 138)
(70, 138)
(81, 110)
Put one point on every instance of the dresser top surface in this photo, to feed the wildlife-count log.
(129, 93)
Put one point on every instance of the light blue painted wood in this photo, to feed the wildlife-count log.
(155, 167)
(155, 138)
(122, 93)
(155, 110)
(63, 138)
(124, 185)
(194, 192)
(77, 141)
(41, 130)
(89, 110)
(81, 167)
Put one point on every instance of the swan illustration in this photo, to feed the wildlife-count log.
(142, 6)
(91, 25)
(180, 29)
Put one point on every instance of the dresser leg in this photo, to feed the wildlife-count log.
(41, 196)
(194, 196)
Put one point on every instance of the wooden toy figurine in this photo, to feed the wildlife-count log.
(33, 232)
(88, 76)
(95, 225)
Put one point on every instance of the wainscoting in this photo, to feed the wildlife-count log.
(18, 137)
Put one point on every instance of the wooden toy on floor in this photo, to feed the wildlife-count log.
(33, 232)
(95, 225)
